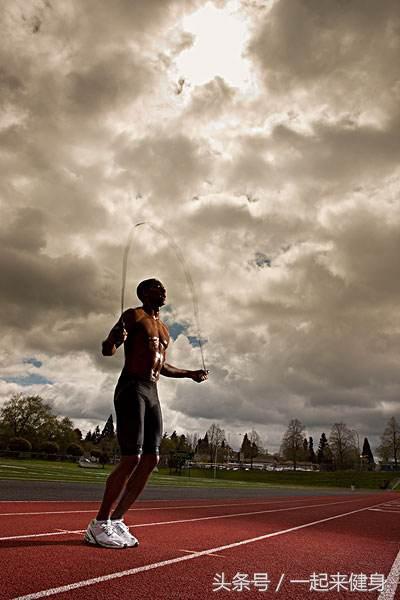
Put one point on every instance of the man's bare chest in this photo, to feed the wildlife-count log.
(154, 331)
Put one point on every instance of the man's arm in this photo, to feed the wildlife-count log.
(117, 335)
(170, 371)
(115, 338)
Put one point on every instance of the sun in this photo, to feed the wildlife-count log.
(220, 36)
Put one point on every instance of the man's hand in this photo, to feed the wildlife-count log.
(199, 375)
(119, 335)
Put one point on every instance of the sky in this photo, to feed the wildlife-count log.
(264, 137)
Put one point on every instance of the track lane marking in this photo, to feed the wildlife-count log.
(175, 522)
(169, 499)
(194, 552)
(385, 510)
(62, 512)
(68, 531)
(178, 559)
(392, 581)
(35, 535)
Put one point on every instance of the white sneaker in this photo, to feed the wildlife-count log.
(102, 533)
(123, 531)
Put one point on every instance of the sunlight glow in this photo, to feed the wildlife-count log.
(220, 39)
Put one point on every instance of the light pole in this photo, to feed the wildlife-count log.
(240, 446)
(354, 432)
(215, 461)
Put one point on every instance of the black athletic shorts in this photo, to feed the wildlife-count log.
(139, 420)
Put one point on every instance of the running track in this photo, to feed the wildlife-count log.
(186, 545)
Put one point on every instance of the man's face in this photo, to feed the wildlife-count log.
(156, 294)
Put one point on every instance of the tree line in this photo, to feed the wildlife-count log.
(27, 423)
(341, 450)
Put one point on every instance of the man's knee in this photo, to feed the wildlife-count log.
(150, 460)
(129, 463)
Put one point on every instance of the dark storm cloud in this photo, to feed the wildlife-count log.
(42, 283)
(341, 151)
(110, 82)
(168, 166)
(24, 229)
(60, 89)
(338, 155)
(366, 247)
(342, 51)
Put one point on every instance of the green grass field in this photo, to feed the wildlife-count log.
(341, 479)
(41, 470)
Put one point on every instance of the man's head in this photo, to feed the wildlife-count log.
(151, 291)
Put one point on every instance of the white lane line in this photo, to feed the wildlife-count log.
(69, 531)
(178, 559)
(96, 502)
(392, 581)
(177, 521)
(35, 535)
(194, 552)
(62, 512)
(385, 510)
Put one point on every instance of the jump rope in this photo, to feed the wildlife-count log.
(188, 277)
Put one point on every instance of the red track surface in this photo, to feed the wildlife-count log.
(326, 535)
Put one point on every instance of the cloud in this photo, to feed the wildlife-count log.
(211, 99)
(282, 196)
(332, 53)
(170, 167)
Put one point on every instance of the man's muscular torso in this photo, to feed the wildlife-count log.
(145, 345)
(146, 338)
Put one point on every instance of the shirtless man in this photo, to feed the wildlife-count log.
(139, 422)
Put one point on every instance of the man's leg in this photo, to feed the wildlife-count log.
(135, 484)
(115, 484)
